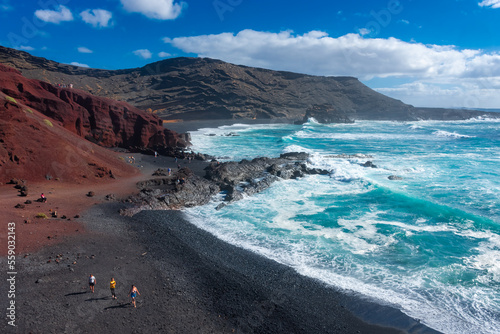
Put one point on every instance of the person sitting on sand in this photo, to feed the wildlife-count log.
(112, 286)
(133, 293)
(92, 282)
(43, 198)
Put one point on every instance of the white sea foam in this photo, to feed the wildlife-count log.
(488, 257)
(330, 228)
(296, 148)
(359, 136)
(442, 133)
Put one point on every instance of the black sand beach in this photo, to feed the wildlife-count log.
(189, 281)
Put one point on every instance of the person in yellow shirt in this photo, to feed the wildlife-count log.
(112, 286)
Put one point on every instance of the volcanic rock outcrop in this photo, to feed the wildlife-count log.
(235, 179)
(325, 113)
(203, 89)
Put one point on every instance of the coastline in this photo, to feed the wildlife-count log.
(187, 126)
(190, 282)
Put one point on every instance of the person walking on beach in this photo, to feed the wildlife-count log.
(112, 286)
(92, 282)
(133, 293)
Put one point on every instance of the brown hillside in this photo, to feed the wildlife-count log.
(210, 89)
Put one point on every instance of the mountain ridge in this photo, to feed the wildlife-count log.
(204, 88)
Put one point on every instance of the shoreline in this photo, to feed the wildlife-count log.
(276, 299)
(188, 126)
(190, 282)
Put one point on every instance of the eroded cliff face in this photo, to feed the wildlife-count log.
(34, 147)
(104, 121)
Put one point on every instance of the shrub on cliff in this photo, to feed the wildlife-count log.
(11, 99)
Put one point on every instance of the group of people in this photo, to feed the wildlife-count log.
(112, 286)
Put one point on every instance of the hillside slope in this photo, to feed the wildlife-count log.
(45, 130)
(202, 88)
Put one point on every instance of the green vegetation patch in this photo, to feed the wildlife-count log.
(48, 123)
(11, 99)
(41, 215)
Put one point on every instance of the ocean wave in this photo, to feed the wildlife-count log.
(443, 133)
(360, 136)
(415, 127)
(296, 148)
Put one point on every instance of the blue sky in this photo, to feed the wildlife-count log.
(442, 53)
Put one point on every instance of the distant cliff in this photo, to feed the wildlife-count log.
(201, 88)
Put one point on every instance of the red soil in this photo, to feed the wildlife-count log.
(42, 142)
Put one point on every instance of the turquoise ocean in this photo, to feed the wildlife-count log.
(428, 244)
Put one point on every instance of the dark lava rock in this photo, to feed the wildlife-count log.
(326, 113)
(369, 164)
(235, 179)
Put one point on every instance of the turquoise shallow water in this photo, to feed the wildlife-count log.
(428, 244)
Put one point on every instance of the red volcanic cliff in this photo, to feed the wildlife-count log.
(104, 121)
(33, 147)
(42, 131)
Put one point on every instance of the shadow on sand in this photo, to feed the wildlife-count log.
(92, 299)
(122, 305)
(76, 293)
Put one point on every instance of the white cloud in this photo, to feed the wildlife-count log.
(26, 48)
(143, 53)
(490, 3)
(442, 68)
(155, 9)
(364, 31)
(54, 16)
(78, 64)
(83, 49)
(164, 54)
(317, 53)
(469, 93)
(97, 17)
